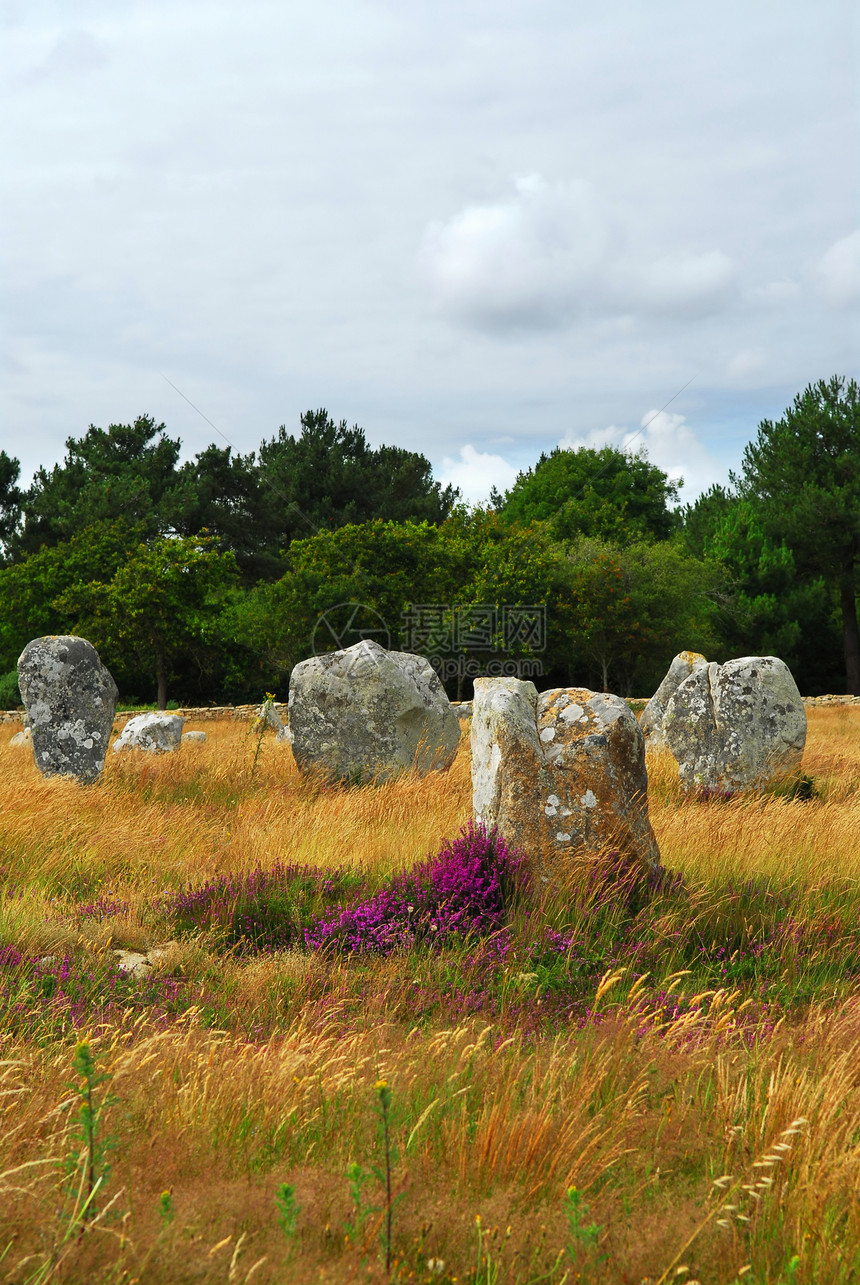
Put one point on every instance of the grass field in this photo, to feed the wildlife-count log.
(604, 1081)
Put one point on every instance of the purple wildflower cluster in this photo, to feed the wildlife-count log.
(263, 910)
(102, 908)
(466, 889)
(56, 994)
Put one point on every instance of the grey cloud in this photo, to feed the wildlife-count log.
(839, 271)
(528, 260)
(239, 194)
(684, 284)
(77, 52)
(547, 254)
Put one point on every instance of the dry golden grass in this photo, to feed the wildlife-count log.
(698, 1140)
(202, 812)
(809, 842)
(206, 810)
(642, 1120)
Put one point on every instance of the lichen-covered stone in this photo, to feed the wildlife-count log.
(559, 772)
(267, 714)
(70, 698)
(651, 721)
(154, 733)
(736, 726)
(365, 713)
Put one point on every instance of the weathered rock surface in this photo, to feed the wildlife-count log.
(268, 714)
(22, 739)
(651, 721)
(142, 963)
(736, 726)
(560, 771)
(194, 736)
(365, 712)
(155, 733)
(134, 962)
(70, 698)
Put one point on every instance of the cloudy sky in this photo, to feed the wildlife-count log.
(479, 228)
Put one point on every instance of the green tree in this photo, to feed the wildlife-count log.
(497, 563)
(802, 473)
(609, 633)
(633, 608)
(702, 518)
(31, 589)
(119, 473)
(607, 493)
(162, 603)
(221, 494)
(10, 500)
(397, 569)
(329, 476)
(764, 607)
(382, 565)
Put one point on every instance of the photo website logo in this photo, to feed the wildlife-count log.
(478, 640)
(460, 640)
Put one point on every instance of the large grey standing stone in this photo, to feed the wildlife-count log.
(70, 698)
(651, 721)
(155, 733)
(560, 771)
(736, 726)
(365, 712)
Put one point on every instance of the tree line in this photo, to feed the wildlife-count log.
(206, 581)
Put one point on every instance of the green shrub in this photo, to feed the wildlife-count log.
(10, 696)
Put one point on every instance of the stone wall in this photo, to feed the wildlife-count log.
(206, 712)
(191, 713)
(831, 700)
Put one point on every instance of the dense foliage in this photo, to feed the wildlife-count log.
(210, 579)
(606, 493)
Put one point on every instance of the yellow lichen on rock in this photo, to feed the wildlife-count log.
(560, 772)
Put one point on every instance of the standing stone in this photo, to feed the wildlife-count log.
(560, 771)
(736, 726)
(365, 712)
(267, 714)
(155, 733)
(651, 721)
(70, 698)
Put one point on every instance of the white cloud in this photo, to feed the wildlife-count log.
(775, 292)
(549, 253)
(476, 473)
(746, 364)
(684, 283)
(526, 261)
(75, 53)
(839, 270)
(667, 440)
